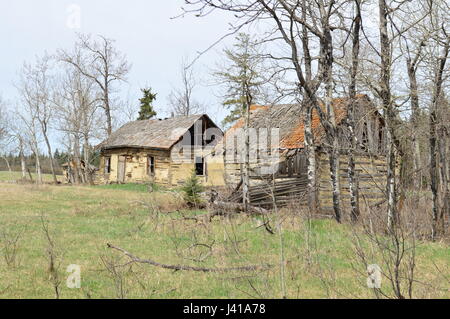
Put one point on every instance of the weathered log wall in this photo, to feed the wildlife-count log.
(370, 177)
(283, 191)
(136, 166)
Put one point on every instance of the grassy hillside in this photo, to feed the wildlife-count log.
(319, 261)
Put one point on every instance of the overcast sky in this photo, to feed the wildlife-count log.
(143, 29)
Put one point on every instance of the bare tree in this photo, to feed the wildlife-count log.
(181, 100)
(3, 120)
(380, 63)
(98, 60)
(29, 118)
(17, 131)
(351, 114)
(438, 112)
(4, 131)
(414, 54)
(79, 120)
(300, 27)
(36, 85)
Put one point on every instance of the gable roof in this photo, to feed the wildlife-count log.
(153, 133)
(289, 119)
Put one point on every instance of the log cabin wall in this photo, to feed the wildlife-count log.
(136, 162)
(370, 177)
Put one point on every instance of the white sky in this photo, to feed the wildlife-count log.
(143, 29)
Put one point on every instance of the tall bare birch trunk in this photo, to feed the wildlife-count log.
(23, 164)
(331, 130)
(37, 166)
(246, 166)
(385, 95)
(351, 114)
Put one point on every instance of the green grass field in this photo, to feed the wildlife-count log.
(12, 176)
(318, 263)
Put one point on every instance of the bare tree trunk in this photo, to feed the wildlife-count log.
(327, 53)
(76, 160)
(436, 181)
(50, 155)
(391, 180)
(38, 166)
(309, 138)
(311, 154)
(87, 173)
(351, 115)
(107, 108)
(246, 168)
(385, 95)
(23, 164)
(443, 164)
(434, 172)
(7, 163)
(411, 66)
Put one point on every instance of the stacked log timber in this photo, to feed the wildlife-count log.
(281, 190)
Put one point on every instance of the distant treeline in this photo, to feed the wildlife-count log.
(59, 159)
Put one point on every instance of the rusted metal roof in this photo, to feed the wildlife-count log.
(153, 133)
(288, 118)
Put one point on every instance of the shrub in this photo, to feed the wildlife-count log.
(192, 189)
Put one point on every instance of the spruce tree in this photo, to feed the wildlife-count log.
(147, 111)
(192, 189)
(242, 77)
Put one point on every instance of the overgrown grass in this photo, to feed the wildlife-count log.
(127, 187)
(82, 220)
(14, 175)
(135, 187)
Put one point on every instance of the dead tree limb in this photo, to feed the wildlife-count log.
(189, 268)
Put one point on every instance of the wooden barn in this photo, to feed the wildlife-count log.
(163, 151)
(288, 162)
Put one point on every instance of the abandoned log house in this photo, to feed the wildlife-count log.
(163, 151)
(287, 179)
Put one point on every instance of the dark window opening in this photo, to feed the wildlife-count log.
(365, 140)
(380, 139)
(107, 165)
(210, 140)
(199, 166)
(150, 165)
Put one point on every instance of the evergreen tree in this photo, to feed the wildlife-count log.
(147, 111)
(192, 189)
(57, 156)
(242, 77)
